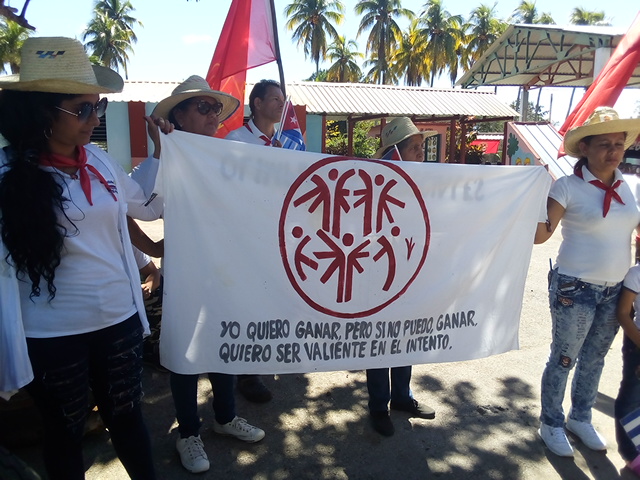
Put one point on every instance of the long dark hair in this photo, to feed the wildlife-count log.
(30, 198)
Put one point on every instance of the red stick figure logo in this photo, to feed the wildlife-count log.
(354, 234)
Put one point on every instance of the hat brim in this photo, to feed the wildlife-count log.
(630, 126)
(107, 81)
(425, 134)
(229, 103)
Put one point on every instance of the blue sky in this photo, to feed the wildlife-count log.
(179, 37)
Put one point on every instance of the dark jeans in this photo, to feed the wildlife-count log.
(109, 362)
(184, 389)
(381, 391)
(628, 396)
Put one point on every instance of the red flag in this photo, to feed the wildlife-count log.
(247, 40)
(605, 90)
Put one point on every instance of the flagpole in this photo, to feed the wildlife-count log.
(277, 45)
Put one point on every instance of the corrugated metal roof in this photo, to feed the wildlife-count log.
(338, 100)
(545, 141)
(361, 100)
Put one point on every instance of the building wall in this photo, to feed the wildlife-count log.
(118, 141)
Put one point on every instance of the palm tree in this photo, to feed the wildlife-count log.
(445, 37)
(482, 29)
(344, 55)
(527, 13)
(580, 16)
(379, 71)
(12, 36)
(409, 58)
(111, 33)
(110, 43)
(311, 21)
(379, 16)
(120, 11)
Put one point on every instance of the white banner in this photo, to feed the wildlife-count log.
(280, 261)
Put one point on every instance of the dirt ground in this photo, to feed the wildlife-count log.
(317, 424)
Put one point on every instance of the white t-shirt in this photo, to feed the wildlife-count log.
(93, 289)
(247, 135)
(594, 247)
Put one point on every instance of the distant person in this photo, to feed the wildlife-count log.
(598, 214)
(266, 102)
(391, 385)
(194, 107)
(63, 207)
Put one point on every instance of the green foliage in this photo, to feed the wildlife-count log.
(337, 143)
(312, 22)
(12, 36)
(319, 76)
(110, 33)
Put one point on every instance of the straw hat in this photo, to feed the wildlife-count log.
(603, 120)
(397, 130)
(196, 86)
(60, 65)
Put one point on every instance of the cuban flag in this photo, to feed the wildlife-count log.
(392, 154)
(631, 424)
(289, 133)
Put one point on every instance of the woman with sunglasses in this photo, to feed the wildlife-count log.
(70, 273)
(194, 107)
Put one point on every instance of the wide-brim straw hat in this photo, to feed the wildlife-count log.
(196, 86)
(397, 130)
(60, 65)
(603, 120)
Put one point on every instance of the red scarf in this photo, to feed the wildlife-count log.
(80, 162)
(264, 138)
(609, 192)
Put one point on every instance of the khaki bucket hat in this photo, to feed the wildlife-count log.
(397, 130)
(60, 65)
(603, 120)
(196, 86)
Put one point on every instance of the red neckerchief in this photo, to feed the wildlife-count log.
(60, 161)
(264, 138)
(609, 192)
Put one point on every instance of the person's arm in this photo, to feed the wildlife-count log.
(151, 280)
(624, 313)
(154, 126)
(142, 242)
(555, 211)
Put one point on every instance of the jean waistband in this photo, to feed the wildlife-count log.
(599, 282)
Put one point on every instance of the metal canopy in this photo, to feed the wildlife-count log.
(546, 55)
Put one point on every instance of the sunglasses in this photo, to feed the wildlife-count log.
(86, 109)
(204, 107)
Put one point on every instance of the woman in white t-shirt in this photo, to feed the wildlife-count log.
(63, 207)
(598, 213)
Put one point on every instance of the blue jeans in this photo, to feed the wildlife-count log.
(109, 362)
(380, 391)
(184, 389)
(628, 396)
(584, 326)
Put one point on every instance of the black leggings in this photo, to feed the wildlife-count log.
(108, 362)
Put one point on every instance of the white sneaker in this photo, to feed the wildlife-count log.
(587, 433)
(239, 428)
(556, 440)
(192, 454)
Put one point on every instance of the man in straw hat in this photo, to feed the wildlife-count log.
(598, 213)
(71, 290)
(401, 140)
(403, 136)
(194, 107)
